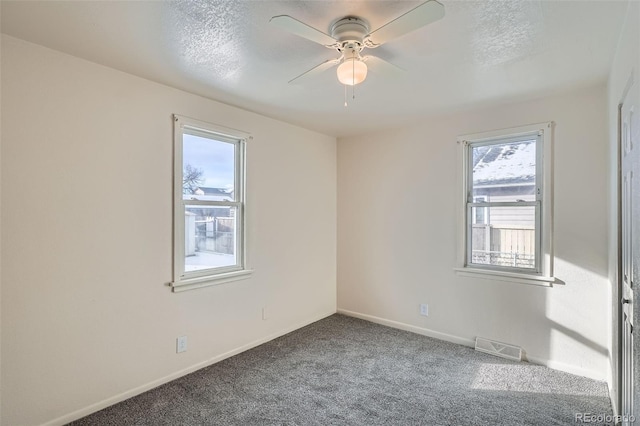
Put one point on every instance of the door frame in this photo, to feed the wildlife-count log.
(620, 272)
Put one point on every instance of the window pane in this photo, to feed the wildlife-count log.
(210, 237)
(480, 213)
(208, 168)
(507, 239)
(505, 172)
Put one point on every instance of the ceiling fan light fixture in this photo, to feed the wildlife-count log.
(352, 71)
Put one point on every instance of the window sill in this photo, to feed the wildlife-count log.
(513, 277)
(199, 282)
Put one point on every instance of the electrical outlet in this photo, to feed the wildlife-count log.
(424, 309)
(181, 344)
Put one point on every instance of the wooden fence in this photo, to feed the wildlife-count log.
(503, 245)
(216, 234)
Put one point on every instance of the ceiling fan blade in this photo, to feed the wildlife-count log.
(382, 67)
(315, 70)
(418, 17)
(292, 25)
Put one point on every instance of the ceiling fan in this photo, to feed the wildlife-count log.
(351, 35)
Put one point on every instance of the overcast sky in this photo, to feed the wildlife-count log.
(214, 158)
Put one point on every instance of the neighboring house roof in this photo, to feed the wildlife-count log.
(214, 191)
(213, 194)
(505, 164)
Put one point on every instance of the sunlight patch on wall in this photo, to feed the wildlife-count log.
(564, 307)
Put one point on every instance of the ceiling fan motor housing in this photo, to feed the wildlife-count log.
(350, 30)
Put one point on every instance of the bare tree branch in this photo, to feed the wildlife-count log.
(191, 179)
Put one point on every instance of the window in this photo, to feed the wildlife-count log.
(209, 207)
(480, 215)
(506, 212)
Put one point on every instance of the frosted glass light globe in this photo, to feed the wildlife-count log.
(352, 71)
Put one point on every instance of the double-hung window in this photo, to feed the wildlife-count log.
(209, 204)
(506, 213)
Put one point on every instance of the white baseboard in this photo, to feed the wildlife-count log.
(412, 328)
(613, 396)
(78, 414)
(567, 368)
(613, 391)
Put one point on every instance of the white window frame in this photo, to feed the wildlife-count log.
(543, 272)
(187, 280)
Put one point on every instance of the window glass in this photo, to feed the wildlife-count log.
(210, 237)
(208, 169)
(504, 171)
(508, 238)
(480, 213)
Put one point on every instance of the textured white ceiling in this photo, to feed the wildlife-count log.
(482, 52)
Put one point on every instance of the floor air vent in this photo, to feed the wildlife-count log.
(498, 349)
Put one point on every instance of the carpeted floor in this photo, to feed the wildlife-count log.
(345, 371)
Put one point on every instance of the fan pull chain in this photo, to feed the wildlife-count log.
(345, 95)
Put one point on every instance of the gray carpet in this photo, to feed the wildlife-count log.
(345, 371)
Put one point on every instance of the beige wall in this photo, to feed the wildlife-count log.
(86, 214)
(397, 227)
(626, 62)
